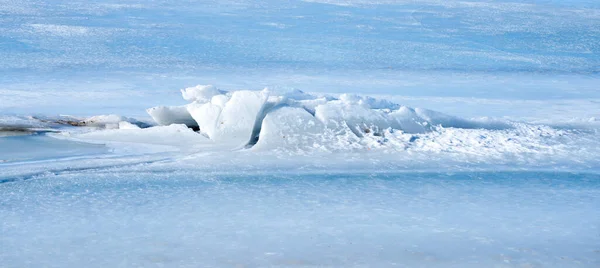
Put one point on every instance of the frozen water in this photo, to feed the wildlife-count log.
(123, 217)
(165, 116)
(238, 119)
(28, 148)
(289, 127)
(539, 36)
(407, 133)
(200, 93)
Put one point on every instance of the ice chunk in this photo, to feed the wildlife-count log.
(368, 102)
(206, 116)
(167, 115)
(309, 105)
(297, 94)
(289, 127)
(219, 100)
(200, 93)
(407, 120)
(240, 117)
(230, 121)
(358, 118)
(127, 125)
(444, 120)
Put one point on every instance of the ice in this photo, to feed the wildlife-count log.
(173, 135)
(437, 118)
(38, 124)
(359, 119)
(165, 116)
(409, 121)
(18, 125)
(28, 148)
(296, 123)
(236, 117)
(111, 121)
(368, 102)
(200, 93)
(393, 133)
(127, 125)
(22, 122)
(206, 116)
(139, 216)
(361, 114)
(291, 128)
(240, 117)
(219, 100)
(235, 122)
(414, 187)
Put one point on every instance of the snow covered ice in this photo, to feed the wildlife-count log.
(317, 133)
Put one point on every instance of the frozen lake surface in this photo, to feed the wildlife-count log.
(338, 133)
(116, 217)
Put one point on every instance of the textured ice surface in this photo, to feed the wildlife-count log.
(130, 217)
(539, 36)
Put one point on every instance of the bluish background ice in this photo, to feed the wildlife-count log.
(118, 218)
(499, 36)
(75, 52)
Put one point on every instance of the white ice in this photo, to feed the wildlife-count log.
(167, 115)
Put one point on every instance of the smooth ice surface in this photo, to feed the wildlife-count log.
(25, 148)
